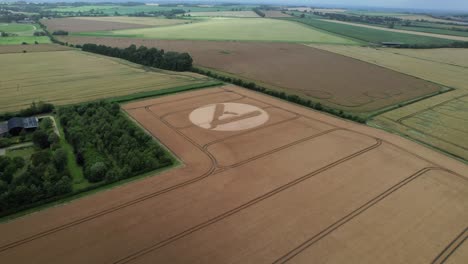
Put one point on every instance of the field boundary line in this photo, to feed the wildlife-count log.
(314, 239)
(246, 205)
(451, 248)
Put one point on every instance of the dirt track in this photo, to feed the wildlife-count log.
(335, 80)
(301, 187)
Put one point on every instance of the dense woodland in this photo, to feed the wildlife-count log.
(107, 144)
(44, 175)
(152, 57)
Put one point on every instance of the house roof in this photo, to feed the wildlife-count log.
(23, 122)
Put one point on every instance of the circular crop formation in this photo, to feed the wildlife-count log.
(228, 116)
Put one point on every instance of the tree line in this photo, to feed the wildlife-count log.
(107, 144)
(151, 57)
(258, 12)
(35, 108)
(282, 95)
(43, 176)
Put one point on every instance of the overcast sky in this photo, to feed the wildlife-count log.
(422, 4)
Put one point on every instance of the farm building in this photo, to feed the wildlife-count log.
(16, 124)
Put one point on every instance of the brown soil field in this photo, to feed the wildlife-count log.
(299, 186)
(338, 81)
(107, 23)
(32, 48)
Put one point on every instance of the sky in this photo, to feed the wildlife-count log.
(455, 5)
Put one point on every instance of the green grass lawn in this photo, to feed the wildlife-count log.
(76, 171)
(239, 29)
(25, 152)
(369, 34)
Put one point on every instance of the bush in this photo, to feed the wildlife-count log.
(97, 172)
(5, 142)
(40, 139)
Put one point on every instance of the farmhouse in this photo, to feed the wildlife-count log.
(16, 124)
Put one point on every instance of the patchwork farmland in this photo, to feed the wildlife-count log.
(51, 77)
(361, 164)
(438, 121)
(232, 133)
(311, 73)
(80, 24)
(239, 29)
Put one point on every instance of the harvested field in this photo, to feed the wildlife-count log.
(273, 13)
(234, 29)
(224, 14)
(259, 197)
(447, 129)
(106, 23)
(32, 48)
(50, 77)
(308, 72)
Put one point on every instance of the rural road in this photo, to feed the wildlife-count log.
(400, 30)
(16, 146)
(53, 121)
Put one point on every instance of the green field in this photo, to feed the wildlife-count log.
(369, 34)
(435, 30)
(20, 39)
(240, 29)
(22, 33)
(111, 9)
(17, 28)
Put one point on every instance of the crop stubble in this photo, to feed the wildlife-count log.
(239, 201)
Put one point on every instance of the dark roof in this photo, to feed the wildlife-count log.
(23, 122)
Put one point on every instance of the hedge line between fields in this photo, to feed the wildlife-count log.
(282, 95)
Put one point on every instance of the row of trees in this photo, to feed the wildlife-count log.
(258, 12)
(34, 109)
(43, 176)
(108, 145)
(152, 57)
(381, 20)
(165, 13)
(291, 98)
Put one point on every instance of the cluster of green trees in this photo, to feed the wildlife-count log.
(165, 13)
(60, 33)
(45, 175)
(152, 57)
(107, 145)
(380, 20)
(291, 98)
(456, 44)
(259, 12)
(34, 109)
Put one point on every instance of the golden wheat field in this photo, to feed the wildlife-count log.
(67, 77)
(440, 121)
